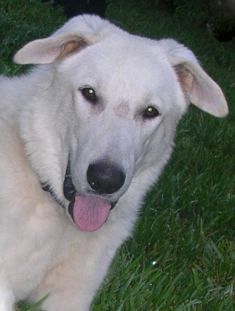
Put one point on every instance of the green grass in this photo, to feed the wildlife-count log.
(182, 254)
(20, 22)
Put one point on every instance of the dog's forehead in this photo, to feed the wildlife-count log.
(124, 69)
(134, 70)
(130, 58)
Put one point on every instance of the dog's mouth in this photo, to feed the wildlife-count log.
(89, 212)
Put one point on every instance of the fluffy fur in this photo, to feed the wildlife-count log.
(45, 121)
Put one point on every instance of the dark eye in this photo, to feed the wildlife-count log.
(89, 94)
(150, 112)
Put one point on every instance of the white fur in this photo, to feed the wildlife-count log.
(44, 118)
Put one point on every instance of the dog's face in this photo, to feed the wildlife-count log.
(121, 103)
(121, 110)
(127, 95)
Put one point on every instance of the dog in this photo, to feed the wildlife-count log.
(84, 135)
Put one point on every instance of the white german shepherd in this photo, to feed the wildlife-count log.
(103, 106)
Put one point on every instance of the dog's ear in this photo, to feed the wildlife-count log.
(198, 87)
(74, 35)
(48, 50)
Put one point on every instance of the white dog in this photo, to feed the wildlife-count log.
(102, 105)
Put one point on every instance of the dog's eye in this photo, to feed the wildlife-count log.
(150, 112)
(89, 94)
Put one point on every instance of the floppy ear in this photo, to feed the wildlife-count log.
(48, 50)
(77, 33)
(198, 87)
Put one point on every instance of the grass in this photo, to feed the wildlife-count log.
(20, 22)
(182, 254)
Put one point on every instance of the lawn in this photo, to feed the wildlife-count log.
(182, 253)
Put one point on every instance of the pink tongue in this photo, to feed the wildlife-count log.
(90, 213)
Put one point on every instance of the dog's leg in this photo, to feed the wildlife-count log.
(72, 284)
(6, 297)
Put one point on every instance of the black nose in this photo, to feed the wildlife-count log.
(105, 177)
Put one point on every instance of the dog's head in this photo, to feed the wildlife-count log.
(120, 99)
